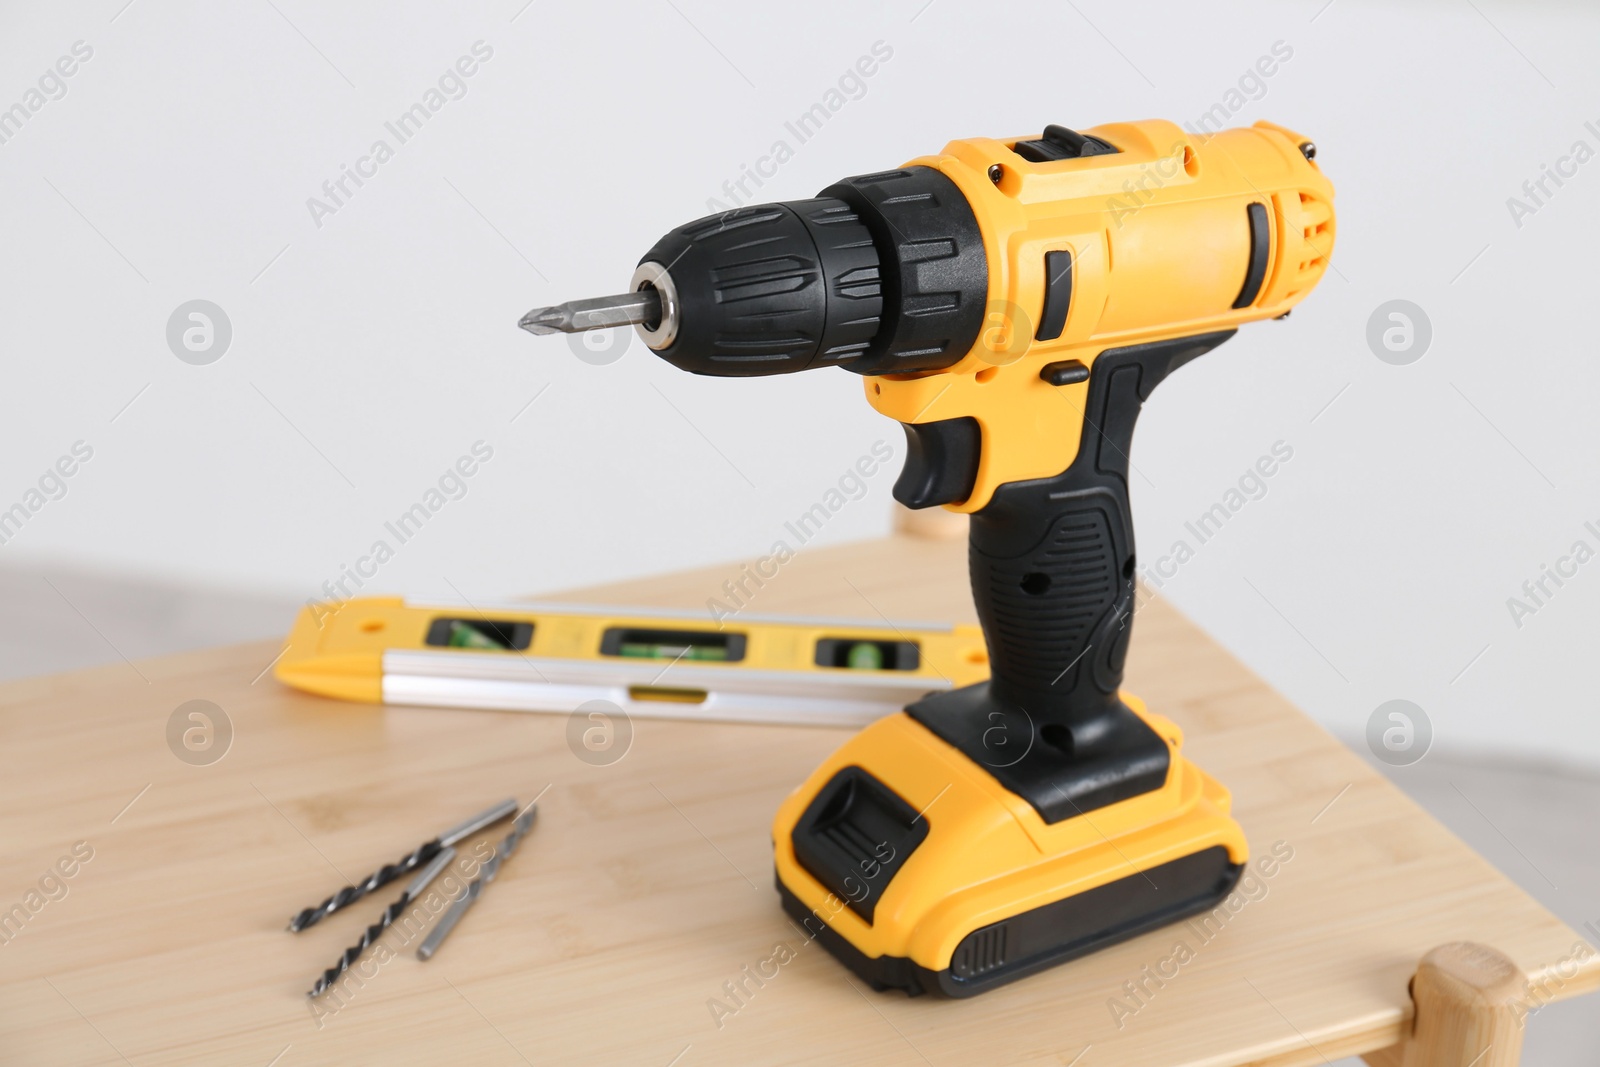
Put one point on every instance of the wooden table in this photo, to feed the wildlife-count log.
(647, 884)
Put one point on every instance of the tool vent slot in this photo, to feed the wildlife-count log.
(1314, 221)
(860, 654)
(697, 645)
(486, 635)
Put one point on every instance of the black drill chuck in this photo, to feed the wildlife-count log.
(881, 274)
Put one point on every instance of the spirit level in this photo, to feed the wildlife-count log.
(648, 662)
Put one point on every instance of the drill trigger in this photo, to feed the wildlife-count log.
(941, 462)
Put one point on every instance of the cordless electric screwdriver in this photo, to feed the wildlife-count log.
(1011, 303)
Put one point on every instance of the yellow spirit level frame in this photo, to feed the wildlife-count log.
(647, 662)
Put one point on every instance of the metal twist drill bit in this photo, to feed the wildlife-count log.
(389, 872)
(448, 920)
(377, 879)
(595, 313)
(441, 860)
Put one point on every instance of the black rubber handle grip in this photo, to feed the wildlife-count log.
(1052, 559)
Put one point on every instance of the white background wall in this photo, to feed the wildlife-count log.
(370, 352)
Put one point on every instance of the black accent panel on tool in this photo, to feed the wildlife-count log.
(1059, 142)
(1260, 254)
(1081, 923)
(772, 289)
(935, 271)
(1057, 295)
(1052, 566)
(1054, 933)
(855, 836)
(941, 462)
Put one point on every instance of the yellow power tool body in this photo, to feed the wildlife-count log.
(1011, 303)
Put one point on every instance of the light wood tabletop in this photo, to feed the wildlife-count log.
(647, 884)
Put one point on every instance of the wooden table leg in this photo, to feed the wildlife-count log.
(1467, 998)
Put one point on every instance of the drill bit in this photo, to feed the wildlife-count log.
(440, 861)
(448, 920)
(390, 871)
(595, 313)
